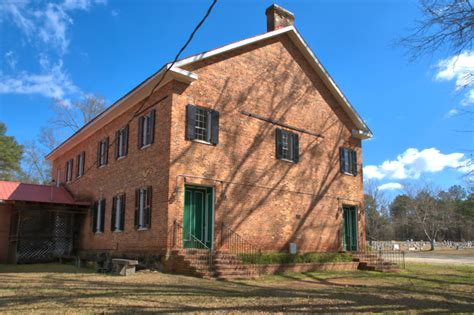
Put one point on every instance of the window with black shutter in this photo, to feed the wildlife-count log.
(287, 145)
(80, 160)
(143, 208)
(69, 170)
(202, 124)
(98, 216)
(121, 142)
(348, 161)
(103, 152)
(118, 213)
(146, 129)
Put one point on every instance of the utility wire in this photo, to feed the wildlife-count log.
(168, 68)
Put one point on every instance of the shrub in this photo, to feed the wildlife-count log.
(284, 258)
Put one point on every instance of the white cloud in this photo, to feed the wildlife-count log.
(412, 163)
(52, 82)
(45, 25)
(461, 69)
(468, 98)
(452, 112)
(46, 22)
(80, 4)
(115, 13)
(390, 186)
(11, 59)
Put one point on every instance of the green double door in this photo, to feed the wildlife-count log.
(198, 217)
(350, 228)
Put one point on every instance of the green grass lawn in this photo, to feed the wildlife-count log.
(61, 288)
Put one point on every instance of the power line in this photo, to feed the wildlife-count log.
(168, 68)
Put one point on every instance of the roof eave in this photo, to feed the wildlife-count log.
(123, 104)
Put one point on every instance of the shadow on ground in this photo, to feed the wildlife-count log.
(310, 292)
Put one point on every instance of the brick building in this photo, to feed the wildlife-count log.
(251, 141)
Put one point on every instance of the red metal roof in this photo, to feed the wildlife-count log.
(16, 191)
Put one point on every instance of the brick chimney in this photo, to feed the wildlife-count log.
(277, 17)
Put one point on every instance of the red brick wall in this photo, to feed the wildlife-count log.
(268, 201)
(141, 167)
(5, 215)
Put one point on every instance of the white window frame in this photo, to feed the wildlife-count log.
(80, 164)
(98, 223)
(103, 148)
(146, 130)
(141, 209)
(69, 170)
(121, 143)
(207, 130)
(118, 212)
(287, 146)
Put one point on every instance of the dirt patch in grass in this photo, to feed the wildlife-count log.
(418, 288)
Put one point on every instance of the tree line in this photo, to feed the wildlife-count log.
(421, 213)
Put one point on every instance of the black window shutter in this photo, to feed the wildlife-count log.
(354, 162)
(94, 217)
(296, 147)
(98, 154)
(214, 120)
(125, 151)
(122, 212)
(72, 170)
(190, 122)
(148, 207)
(278, 144)
(106, 150)
(117, 144)
(140, 132)
(137, 207)
(114, 214)
(151, 128)
(102, 216)
(342, 158)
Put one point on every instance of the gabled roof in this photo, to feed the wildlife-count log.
(362, 131)
(16, 191)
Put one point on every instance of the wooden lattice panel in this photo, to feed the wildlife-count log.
(44, 236)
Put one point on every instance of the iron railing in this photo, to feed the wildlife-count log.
(188, 241)
(234, 243)
(185, 239)
(382, 257)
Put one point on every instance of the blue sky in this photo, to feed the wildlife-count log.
(68, 48)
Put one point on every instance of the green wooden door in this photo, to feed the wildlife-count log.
(350, 228)
(198, 217)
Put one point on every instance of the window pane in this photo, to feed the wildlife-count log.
(118, 213)
(286, 145)
(99, 216)
(141, 212)
(201, 126)
(346, 161)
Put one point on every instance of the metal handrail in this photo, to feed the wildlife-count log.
(380, 257)
(234, 243)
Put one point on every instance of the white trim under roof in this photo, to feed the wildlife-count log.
(362, 131)
(122, 105)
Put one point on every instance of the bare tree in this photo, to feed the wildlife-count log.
(445, 24)
(377, 223)
(430, 215)
(68, 118)
(36, 169)
(74, 116)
